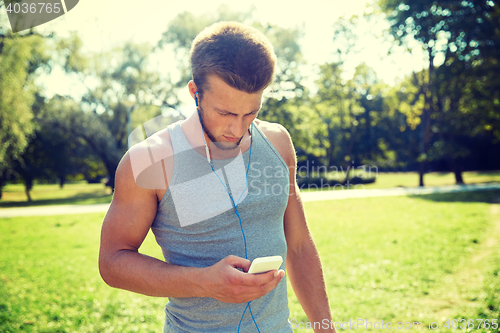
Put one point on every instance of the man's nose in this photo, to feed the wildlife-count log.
(237, 127)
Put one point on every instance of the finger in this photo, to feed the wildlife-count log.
(259, 279)
(279, 274)
(254, 292)
(274, 282)
(238, 262)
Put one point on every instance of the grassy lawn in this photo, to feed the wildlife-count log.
(396, 259)
(409, 259)
(49, 280)
(73, 193)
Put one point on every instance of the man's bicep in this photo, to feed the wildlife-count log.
(295, 225)
(294, 219)
(131, 212)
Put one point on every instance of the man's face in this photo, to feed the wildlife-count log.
(227, 112)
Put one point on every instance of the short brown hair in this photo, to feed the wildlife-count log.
(239, 54)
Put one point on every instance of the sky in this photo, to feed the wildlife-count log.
(104, 24)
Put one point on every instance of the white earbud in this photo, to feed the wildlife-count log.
(208, 153)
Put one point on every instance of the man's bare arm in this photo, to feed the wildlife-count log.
(303, 263)
(304, 266)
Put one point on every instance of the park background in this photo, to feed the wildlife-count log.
(408, 90)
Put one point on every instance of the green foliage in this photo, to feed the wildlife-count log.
(124, 86)
(19, 58)
(360, 124)
(70, 49)
(68, 155)
(465, 26)
(105, 135)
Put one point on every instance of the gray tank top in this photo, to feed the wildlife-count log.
(196, 226)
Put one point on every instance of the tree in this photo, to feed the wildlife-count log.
(331, 105)
(287, 101)
(68, 154)
(464, 31)
(21, 55)
(124, 85)
(349, 108)
(361, 128)
(405, 103)
(89, 128)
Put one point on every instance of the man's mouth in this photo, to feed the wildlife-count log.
(231, 139)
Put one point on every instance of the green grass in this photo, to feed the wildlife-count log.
(49, 280)
(392, 259)
(406, 259)
(76, 193)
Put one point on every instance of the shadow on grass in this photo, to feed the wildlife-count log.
(86, 198)
(487, 196)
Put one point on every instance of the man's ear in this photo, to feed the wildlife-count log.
(192, 88)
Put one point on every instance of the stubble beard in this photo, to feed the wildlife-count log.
(220, 145)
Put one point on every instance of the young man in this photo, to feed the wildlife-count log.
(220, 192)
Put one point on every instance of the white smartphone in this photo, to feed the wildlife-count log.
(265, 264)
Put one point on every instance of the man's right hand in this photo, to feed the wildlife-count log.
(226, 283)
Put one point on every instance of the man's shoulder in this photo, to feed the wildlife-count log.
(142, 163)
(272, 130)
(150, 150)
(160, 145)
(279, 137)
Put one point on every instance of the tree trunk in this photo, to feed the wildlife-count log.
(349, 150)
(28, 194)
(62, 180)
(2, 184)
(111, 168)
(458, 178)
(421, 173)
(426, 120)
(457, 170)
(28, 185)
(331, 150)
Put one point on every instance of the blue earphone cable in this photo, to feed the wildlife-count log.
(235, 205)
